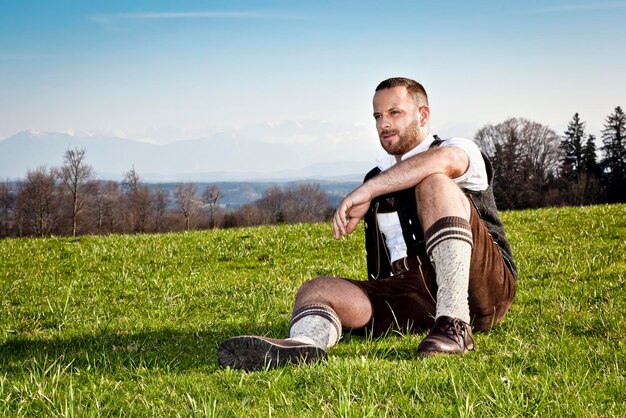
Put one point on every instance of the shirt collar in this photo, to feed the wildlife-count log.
(385, 162)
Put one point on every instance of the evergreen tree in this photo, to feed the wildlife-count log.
(590, 173)
(573, 148)
(614, 163)
(590, 157)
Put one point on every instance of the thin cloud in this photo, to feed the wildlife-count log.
(110, 18)
(574, 8)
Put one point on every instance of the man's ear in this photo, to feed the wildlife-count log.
(424, 112)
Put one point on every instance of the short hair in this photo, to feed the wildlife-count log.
(412, 86)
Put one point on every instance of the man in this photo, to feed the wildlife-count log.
(437, 255)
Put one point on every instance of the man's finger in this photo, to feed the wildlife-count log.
(338, 228)
(342, 213)
(335, 229)
(352, 225)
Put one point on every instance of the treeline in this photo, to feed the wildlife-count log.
(533, 167)
(67, 200)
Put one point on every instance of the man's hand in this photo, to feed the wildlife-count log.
(350, 211)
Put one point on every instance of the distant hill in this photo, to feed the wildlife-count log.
(219, 157)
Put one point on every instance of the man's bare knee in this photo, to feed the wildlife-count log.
(433, 186)
(348, 300)
(318, 290)
(430, 184)
(438, 196)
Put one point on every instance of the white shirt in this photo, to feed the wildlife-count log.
(474, 179)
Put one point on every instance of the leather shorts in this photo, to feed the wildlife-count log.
(407, 300)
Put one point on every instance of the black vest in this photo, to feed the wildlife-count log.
(378, 262)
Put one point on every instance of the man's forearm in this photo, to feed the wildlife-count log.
(450, 161)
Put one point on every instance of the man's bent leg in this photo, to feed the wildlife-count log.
(344, 297)
(444, 213)
(322, 306)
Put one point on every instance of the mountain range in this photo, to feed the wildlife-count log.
(293, 152)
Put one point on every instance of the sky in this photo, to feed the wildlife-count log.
(159, 68)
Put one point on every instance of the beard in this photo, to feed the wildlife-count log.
(407, 139)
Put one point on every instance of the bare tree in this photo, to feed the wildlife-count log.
(211, 195)
(185, 195)
(138, 201)
(526, 157)
(272, 205)
(246, 215)
(542, 149)
(75, 175)
(306, 203)
(106, 200)
(6, 208)
(37, 202)
(160, 202)
(301, 203)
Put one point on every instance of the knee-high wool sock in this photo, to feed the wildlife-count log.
(449, 247)
(315, 324)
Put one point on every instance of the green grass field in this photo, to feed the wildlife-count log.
(129, 326)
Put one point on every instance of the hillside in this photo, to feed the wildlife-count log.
(129, 325)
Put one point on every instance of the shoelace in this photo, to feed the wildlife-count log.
(455, 327)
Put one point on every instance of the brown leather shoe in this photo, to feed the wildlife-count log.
(448, 336)
(249, 352)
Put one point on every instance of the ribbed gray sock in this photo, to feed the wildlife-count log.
(449, 246)
(315, 324)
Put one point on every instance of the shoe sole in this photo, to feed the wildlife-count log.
(442, 353)
(429, 353)
(252, 353)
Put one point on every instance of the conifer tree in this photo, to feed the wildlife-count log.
(573, 148)
(614, 163)
(590, 173)
(590, 157)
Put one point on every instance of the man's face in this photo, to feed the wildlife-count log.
(400, 123)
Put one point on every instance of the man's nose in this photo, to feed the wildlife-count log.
(385, 123)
